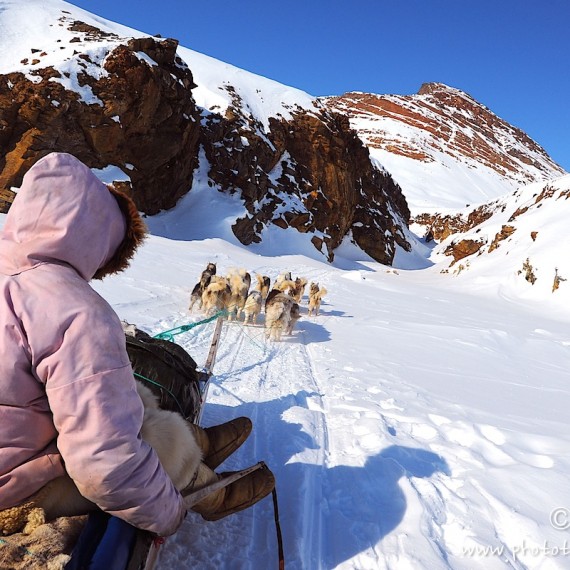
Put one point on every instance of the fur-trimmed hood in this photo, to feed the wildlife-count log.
(64, 214)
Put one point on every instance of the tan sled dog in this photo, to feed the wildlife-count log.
(278, 308)
(316, 295)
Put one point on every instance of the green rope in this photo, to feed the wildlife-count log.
(170, 393)
(171, 333)
(250, 338)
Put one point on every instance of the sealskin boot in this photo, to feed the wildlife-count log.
(236, 497)
(219, 442)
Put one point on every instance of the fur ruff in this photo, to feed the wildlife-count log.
(134, 236)
(171, 437)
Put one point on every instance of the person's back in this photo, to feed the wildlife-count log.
(67, 394)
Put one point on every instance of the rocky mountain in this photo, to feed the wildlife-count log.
(160, 119)
(116, 98)
(443, 147)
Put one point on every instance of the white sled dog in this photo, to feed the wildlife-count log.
(239, 281)
(252, 307)
(283, 276)
(316, 295)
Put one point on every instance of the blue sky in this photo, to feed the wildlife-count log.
(511, 55)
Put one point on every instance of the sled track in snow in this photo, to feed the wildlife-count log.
(273, 383)
(283, 370)
(256, 370)
(276, 385)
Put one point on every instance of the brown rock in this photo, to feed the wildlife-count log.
(316, 166)
(463, 248)
(147, 122)
(505, 232)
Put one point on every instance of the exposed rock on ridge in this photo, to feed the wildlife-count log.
(311, 173)
(447, 120)
(140, 117)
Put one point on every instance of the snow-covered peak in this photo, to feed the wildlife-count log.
(443, 147)
(37, 34)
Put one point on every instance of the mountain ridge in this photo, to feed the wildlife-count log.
(298, 162)
(442, 125)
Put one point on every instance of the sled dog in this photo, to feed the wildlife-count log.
(263, 285)
(239, 281)
(216, 295)
(298, 289)
(205, 278)
(316, 294)
(252, 307)
(277, 314)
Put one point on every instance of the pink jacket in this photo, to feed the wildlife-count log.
(67, 394)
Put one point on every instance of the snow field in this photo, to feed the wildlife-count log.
(412, 424)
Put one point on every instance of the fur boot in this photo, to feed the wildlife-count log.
(237, 496)
(219, 442)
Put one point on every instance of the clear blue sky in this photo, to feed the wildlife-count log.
(511, 55)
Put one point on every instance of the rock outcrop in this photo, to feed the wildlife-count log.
(140, 117)
(446, 120)
(441, 226)
(128, 103)
(311, 173)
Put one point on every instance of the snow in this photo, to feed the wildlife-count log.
(415, 420)
(420, 421)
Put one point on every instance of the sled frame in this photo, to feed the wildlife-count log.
(147, 548)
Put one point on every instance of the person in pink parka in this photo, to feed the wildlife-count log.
(70, 414)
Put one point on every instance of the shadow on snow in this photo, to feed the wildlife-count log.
(328, 514)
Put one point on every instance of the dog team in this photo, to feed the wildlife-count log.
(280, 301)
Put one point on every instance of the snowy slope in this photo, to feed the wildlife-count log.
(37, 30)
(36, 34)
(420, 422)
(536, 217)
(413, 421)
